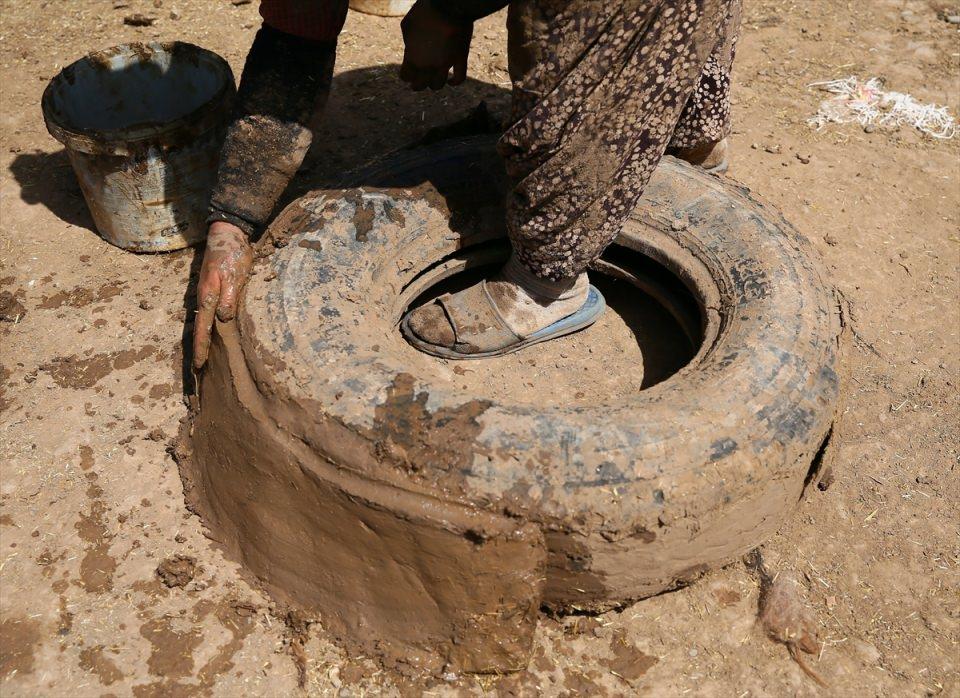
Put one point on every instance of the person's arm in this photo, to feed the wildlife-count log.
(284, 79)
(436, 40)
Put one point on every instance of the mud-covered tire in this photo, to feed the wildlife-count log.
(316, 425)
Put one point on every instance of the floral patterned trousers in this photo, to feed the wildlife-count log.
(600, 91)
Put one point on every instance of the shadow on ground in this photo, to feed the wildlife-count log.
(370, 113)
(48, 179)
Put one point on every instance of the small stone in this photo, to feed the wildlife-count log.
(180, 538)
(158, 3)
(869, 128)
(773, 149)
(953, 19)
(678, 224)
(831, 240)
(174, 14)
(804, 159)
(139, 20)
(146, 305)
(694, 652)
(826, 479)
(868, 653)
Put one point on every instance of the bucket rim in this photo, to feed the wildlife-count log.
(122, 141)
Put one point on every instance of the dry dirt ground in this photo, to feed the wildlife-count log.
(91, 390)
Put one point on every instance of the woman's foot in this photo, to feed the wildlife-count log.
(504, 314)
(712, 156)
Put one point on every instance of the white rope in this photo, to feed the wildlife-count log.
(868, 104)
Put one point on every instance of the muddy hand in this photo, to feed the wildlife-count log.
(226, 267)
(432, 46)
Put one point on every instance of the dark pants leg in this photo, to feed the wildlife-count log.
(285, 80)
(598, 90)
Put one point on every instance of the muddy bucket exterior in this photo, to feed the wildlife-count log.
(143, 125)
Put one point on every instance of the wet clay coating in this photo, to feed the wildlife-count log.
(353, 478)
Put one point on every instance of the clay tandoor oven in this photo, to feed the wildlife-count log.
(430, 527)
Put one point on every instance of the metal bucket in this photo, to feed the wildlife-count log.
(143, 125)
(383, 8)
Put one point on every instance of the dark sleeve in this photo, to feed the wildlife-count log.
(467, 10)
(284, 80)
(320, 20)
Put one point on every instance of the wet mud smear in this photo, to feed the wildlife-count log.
(19, 638)
(76, 372)
(98, 662)
(97, 566)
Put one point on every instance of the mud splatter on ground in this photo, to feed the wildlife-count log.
(727, 597)
(97, 566)
(629, 662)
(239, 618)
(19, 638)
(86, 457)
(81, 296)
(77, 373)
(11, 309)
(177, 571)
(97, 661)
(173, 640)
